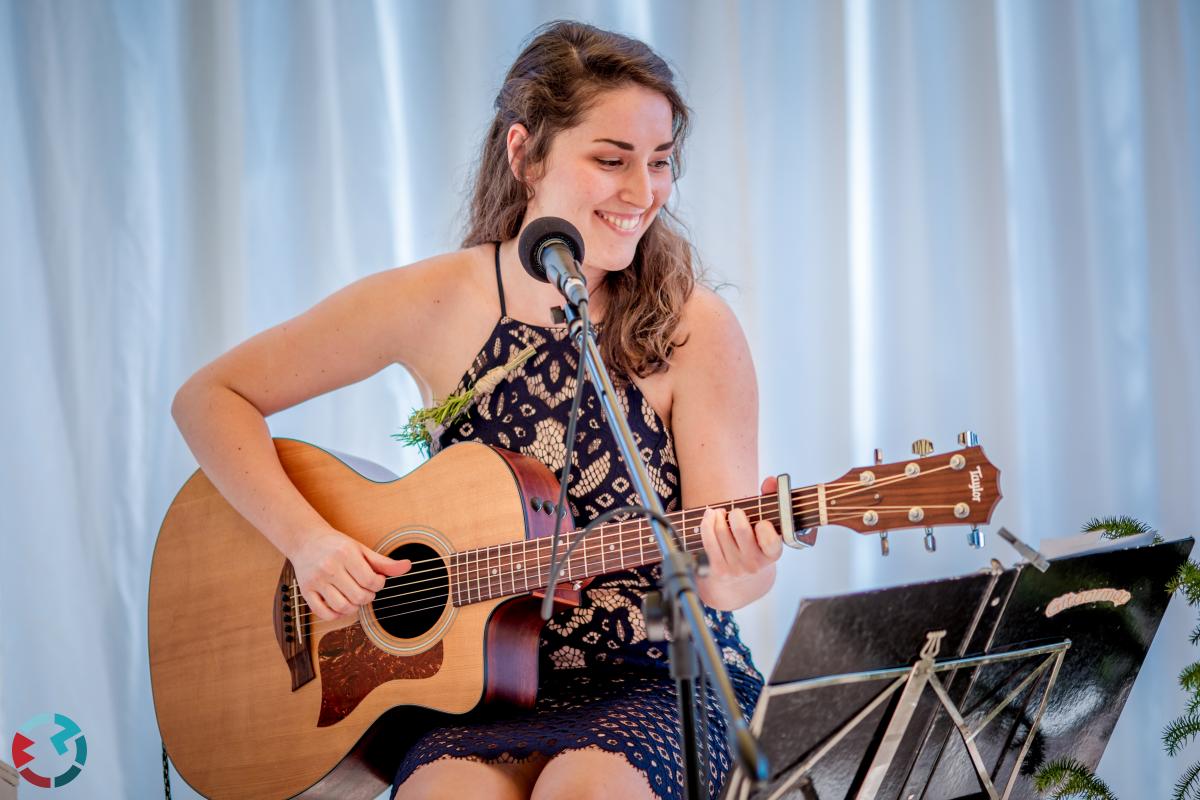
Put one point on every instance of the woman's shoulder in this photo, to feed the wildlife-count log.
(710, 347)
(442, 277)
(446, 305)
(443, 284)
(705, 300)
(707, 326)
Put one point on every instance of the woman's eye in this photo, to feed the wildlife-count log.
(612, 163)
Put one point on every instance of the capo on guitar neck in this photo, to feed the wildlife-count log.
(787, 527)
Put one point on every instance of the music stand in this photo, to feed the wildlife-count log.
(962, 687)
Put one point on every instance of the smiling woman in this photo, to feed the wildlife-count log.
(601, 109)
(591, 177)
(589, 127)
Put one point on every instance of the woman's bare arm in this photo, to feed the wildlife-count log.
(714, 419)
(221, 413)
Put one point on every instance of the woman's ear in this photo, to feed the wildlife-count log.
(518, 135)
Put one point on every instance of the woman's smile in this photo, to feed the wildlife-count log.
(625, 224)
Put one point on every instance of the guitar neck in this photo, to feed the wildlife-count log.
(520, 567)
(957, 488)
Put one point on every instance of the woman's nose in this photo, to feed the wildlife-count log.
(638, 189)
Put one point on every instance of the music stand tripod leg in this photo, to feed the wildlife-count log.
(918, 677)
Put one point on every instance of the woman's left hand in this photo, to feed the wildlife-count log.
(741, 557)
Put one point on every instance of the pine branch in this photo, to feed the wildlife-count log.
(1195, 637)
(1193, 703)
(1067, 777)
(1178, 733)
(1189, 677)
(1116, 527)
(1186, 787)
(1187, 579)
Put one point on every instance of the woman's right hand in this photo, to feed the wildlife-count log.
(338, 574)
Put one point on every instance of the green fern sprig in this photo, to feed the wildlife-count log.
(1186, 787)
(1179, 732)
(1067, 777)
(1116, 527)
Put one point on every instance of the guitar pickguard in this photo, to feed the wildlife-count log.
(351, 665)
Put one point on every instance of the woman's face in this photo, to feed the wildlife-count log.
(609, 175)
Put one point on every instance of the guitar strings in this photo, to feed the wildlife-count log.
(443, 605)
(495, 581)
(599, 551)
(484, 570)
(690, 539)
(746, 504)
(307, 612)
(498, 563)
(473, 578)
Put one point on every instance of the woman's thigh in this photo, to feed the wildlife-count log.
(591, 774)
(460, 778)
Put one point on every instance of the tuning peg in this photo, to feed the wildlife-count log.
(975, 537)
(885, 547)
(922, 448)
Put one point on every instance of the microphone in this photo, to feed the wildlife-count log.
(550, 250)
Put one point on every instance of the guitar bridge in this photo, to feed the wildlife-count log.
(291, 620)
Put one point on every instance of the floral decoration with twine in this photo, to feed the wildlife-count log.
(426, 423)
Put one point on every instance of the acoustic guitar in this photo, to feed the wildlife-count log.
(258, 698)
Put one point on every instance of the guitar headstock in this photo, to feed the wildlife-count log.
(957, 488)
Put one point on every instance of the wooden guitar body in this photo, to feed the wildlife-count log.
(257, 699)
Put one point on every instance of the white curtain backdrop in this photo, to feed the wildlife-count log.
(932, 216)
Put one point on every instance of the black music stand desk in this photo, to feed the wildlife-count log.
(962, 687)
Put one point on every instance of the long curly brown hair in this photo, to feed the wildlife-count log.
(551, 85)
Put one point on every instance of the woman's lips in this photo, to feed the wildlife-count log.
(622, 223)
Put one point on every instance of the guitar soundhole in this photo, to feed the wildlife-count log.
(409, 605)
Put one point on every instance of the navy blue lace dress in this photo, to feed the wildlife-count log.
(603, 684)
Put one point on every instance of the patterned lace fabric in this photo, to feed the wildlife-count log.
(602, 682)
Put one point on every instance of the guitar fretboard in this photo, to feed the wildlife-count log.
(521, 567)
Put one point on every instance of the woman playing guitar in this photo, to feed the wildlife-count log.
(588, 127)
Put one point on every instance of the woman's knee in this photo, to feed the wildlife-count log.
(458, 778)
(591, 774)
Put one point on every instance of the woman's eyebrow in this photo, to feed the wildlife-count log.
(628, 146)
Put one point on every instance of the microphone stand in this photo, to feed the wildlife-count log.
(690, 636)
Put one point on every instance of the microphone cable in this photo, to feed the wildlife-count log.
(569, 446)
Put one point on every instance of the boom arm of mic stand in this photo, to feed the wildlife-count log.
(679, 585)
